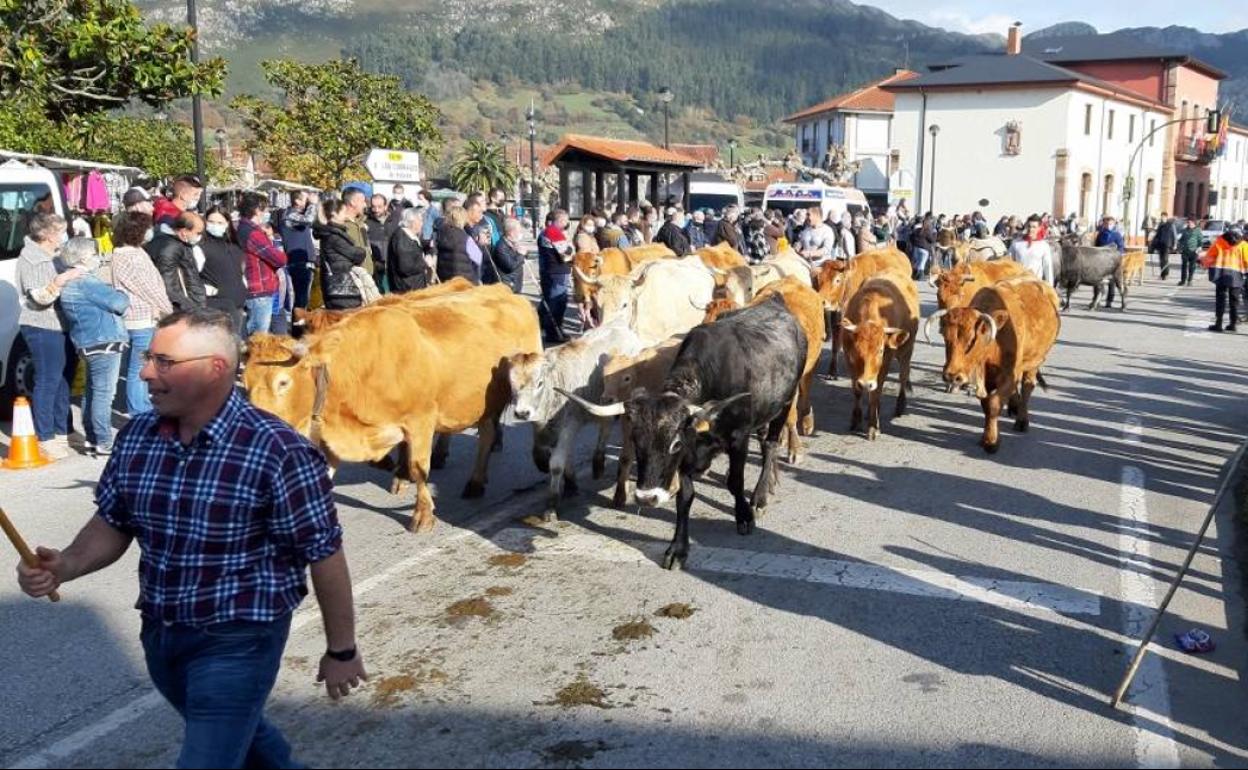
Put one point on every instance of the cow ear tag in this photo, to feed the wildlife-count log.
(701, 426)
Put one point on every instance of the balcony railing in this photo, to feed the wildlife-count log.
(1194, 149)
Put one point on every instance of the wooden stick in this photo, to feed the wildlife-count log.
(23, 550)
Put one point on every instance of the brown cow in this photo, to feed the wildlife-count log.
(399, 372)
(621, 377)
(314, 321)
(720, 257)
(997, 344)
(839, 280)
(954, 288)
(587, 266)
(880, 324)
(807, 307)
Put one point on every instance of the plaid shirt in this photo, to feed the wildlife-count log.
(263, 260)
(228, 524)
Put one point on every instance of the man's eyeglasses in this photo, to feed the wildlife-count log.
(164, 363)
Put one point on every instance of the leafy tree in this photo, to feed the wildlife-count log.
(329, 117)
(480, 166)
(73, 58)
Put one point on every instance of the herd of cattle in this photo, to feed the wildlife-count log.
(693, 356)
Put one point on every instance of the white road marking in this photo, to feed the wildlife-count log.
(1148, 700)
(1013, 595)
(56, 754)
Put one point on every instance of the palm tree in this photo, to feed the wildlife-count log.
(481, 166)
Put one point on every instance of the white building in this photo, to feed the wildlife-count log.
(861, 122)
(1027, 136)
(1229, 177)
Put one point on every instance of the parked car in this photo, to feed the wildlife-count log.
(1210, 231)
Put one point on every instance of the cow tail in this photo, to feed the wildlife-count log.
(1041, 381)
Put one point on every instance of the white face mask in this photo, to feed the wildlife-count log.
(149, 235)
(64, 239)
(266, 217)
(217, 229)
(194, 241)
(90, 264)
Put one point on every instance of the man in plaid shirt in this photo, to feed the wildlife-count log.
(262, 261)
(229, 506)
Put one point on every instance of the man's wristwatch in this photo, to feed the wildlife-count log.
(343, 656)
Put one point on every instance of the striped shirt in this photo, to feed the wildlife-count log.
(227, 524)
(135, 274)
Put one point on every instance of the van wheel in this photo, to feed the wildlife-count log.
(20, 376)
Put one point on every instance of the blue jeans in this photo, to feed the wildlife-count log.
(218, 678)
(55, 364)
(920, 260)
(555, 290)
(97, 399)
(138, 400)
(259, 314)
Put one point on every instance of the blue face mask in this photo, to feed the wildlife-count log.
(266, 217)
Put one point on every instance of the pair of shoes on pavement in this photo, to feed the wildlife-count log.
(1220, 328)
(55, 448)
(92, 450)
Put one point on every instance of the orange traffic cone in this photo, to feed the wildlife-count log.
(24, 453)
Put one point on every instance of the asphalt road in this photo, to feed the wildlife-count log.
(905, 602)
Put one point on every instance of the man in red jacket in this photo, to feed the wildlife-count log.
(187, 191)
(261, 263)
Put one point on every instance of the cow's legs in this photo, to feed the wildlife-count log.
(1096, 295)
(1022, 420)
(836, 344)
(441, 450)
(736, 480)
(678, 551)
(420, 448)
(873, 403)
(1122, 289)
(992, 410)
(486, 429)
(623, 475)
(791, 433)
(903, 375)
(562, 475)
(855, 421)
(805, 410)
(600, 449)
(766, 475)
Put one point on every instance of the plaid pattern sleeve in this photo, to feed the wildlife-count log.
(227, 523)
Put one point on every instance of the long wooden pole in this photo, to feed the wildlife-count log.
(22, 549)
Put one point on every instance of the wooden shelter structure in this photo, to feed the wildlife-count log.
(594, 171)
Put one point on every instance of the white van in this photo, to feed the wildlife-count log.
(708, 191)
(788, 196)
(22, 187)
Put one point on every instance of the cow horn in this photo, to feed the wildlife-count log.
(696, 306)
(892, 329)
(611, 410)
(968, 279)
(717, 271)
(848, 325)
(992, 325)
(931, 319)
(585, 278)
(703, 410)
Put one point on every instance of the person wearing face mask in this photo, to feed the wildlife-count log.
(261, 259)
(94, 318)
(223, 267)
(43, 330)
(187, 191)
(174, 255)
(584, 240)
(136, 277)
(672, 233)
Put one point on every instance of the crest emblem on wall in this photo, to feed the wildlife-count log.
(1013, 137)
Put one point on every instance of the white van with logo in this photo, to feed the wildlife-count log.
(23, 189)
(789, 196)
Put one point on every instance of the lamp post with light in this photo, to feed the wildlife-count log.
(531, 117)
(934, 130)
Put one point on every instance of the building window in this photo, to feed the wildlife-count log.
(1087, 120)
(1131, 130)
(1085, 192)
(1107, 194)
(1152, 128)
(1109, 130)
(806, 148)
(1189, 206)
(1148, 193)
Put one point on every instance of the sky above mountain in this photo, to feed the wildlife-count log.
(980, 16)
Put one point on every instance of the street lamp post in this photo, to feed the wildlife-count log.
(666, 96)
(197, 108)
(221, 146)
(531, 117)
(931, 196)
(732, 153)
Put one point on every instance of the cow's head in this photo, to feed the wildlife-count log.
(279, 376)
(864, 344)
(949, 285)
(969, 336)
(831, 281)
(667, 431)
(531, 395)
(586, 268)
(617, 296)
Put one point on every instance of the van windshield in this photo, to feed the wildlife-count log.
(714, 201)
(788, 207)
(19, 201)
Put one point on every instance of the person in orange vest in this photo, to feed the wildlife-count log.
(1227, 262)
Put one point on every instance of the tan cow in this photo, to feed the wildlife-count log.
(839, 280)
(807, 307)
(720, 257)
(659, 299)
(587, 266)
(786, 263)
(954, 288)
(880, 324)
(399, 373)
(996, 344)
(314, 321)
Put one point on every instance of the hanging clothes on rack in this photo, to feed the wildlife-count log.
(96, 193)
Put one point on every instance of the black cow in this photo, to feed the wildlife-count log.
(1090, 266)
(732, 379)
